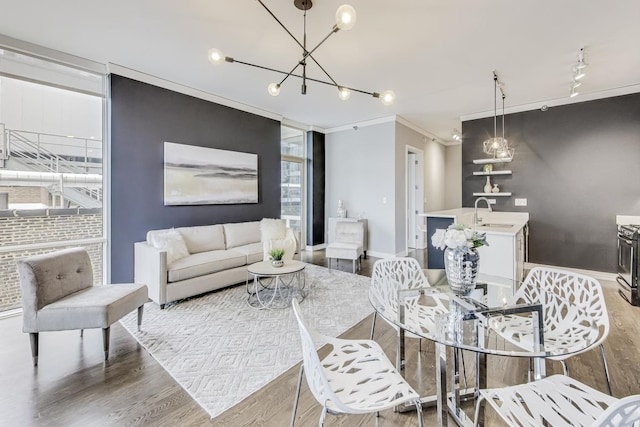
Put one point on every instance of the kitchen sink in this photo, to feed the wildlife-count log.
(493, 225)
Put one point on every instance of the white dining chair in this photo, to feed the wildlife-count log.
(354, 378)
(574, 312)
(390, 275)
(560, 401)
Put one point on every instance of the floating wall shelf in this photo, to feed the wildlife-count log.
(485, 161)
(502, 172)
(493, 194)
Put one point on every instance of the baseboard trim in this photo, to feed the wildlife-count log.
(600, 275)
(10, 313)
(377, 254)
(315, 247)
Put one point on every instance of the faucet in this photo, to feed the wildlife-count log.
(475, 209)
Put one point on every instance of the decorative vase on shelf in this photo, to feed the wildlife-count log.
(461, 268)
(487, 168)
(495, 189)
(342, 212)
(487, 186)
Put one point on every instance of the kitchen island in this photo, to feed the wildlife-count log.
(506, 237)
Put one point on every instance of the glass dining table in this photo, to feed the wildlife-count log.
(484, 322)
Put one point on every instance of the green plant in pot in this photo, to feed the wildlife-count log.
(275, 255)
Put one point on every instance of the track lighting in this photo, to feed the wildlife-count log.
(578, 73)
(456, 135)
(345, 20)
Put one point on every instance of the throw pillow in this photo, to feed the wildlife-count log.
(272, 229)
(170, 241)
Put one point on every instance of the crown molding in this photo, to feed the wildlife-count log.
(186, 90)
(361, 124)
(609, 93)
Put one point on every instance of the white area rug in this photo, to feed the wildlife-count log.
(221, 350)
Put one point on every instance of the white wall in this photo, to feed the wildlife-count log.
(453, 177)
(360, 171)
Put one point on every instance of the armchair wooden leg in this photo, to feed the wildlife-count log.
(33, 338)
(140, 312)
(105, 342)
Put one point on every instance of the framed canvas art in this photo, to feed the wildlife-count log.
(207, 176)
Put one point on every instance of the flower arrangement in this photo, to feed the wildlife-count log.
(458, 236)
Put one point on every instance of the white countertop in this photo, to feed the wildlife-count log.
(465, 215)
(627, 219)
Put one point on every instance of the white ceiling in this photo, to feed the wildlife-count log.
(436, 55)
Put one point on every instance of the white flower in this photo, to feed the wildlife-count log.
(437, 240)
(468, 233)
(456, 239)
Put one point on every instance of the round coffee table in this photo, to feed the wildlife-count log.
(275, 287)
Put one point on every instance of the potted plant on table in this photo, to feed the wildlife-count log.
(461, 257)
(275, 255)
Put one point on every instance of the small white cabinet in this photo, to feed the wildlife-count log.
(504, 256)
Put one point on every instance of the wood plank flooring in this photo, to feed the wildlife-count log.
(72, 386)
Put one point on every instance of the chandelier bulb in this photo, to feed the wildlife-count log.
(344, 93)
(387, 97)
(216, 56)
(346, 17)
(274, 89)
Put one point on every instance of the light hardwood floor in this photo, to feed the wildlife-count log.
(73, 387)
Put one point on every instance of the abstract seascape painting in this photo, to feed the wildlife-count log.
(208, 176)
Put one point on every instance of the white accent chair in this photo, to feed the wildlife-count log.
(58, 295)
(348, 244)
(278, 240)
(560, 401)
(354, 378)
(574, 310)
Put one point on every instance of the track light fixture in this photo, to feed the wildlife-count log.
(578, 73)
(345, 20)
(456, 135)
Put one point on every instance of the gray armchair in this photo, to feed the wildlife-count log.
(58, 294)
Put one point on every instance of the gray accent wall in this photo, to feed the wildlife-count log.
(578, 166)
(143, 117)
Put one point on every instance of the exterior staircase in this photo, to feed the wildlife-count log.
(24, 151)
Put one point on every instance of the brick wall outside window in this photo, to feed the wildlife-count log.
(21, 227)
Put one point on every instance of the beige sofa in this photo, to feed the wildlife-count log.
(216, 256)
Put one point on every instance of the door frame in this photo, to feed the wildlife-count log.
(420, 243)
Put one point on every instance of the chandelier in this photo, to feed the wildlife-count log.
(345, 20)
(497, 147)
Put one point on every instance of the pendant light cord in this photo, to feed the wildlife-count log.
(495, 105)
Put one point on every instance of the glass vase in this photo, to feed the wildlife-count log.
(461, 268)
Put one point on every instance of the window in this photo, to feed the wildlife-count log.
(292, 182)
(51, 164)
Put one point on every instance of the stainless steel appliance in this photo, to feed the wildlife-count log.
(628, 262)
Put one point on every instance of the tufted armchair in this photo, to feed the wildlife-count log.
(58, 294)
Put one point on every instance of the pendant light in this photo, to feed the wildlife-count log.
(497, 147)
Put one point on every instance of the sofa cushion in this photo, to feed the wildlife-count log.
(205, 263)
(169, 240)
(253, 252)
(242, 233)
(272, 229)
(203, 238)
